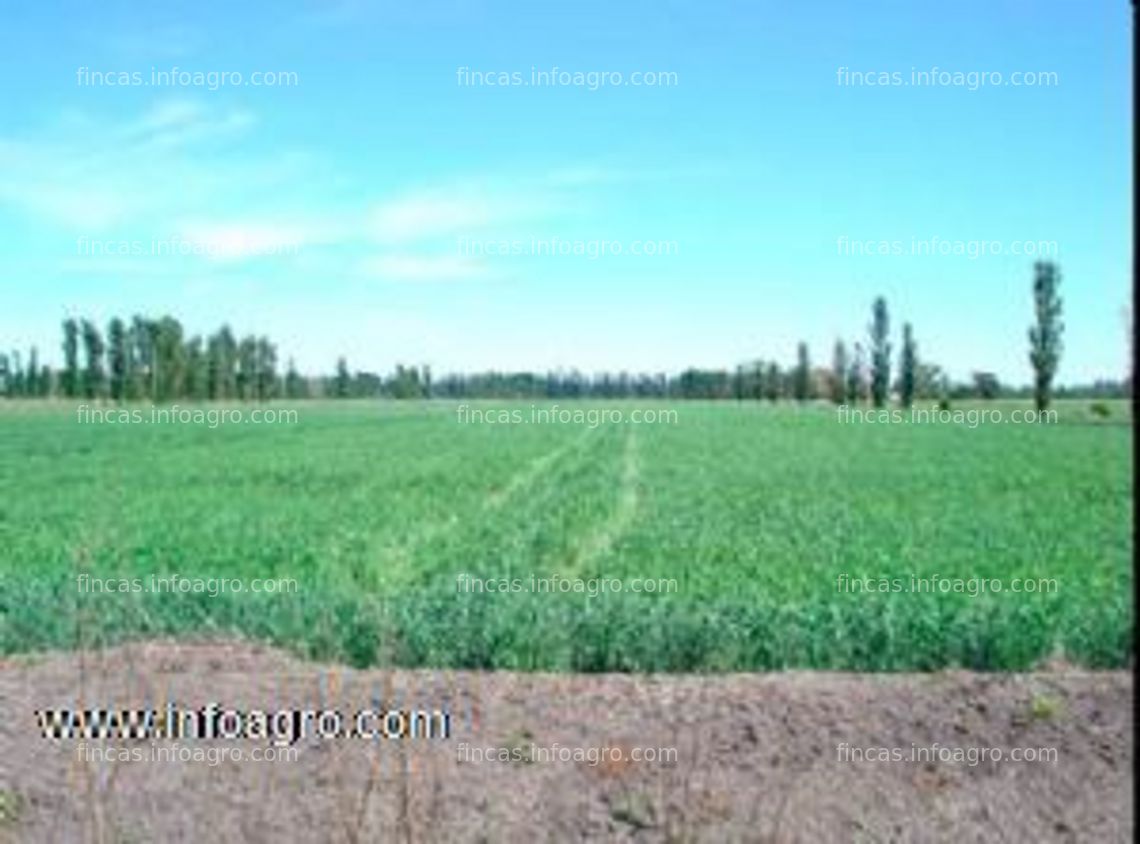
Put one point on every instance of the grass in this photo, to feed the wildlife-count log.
(375, 508)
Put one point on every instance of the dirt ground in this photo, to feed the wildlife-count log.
(757, 757)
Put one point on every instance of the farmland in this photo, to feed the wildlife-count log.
(753, 511)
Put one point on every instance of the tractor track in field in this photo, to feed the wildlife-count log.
(525, 478)
(600, 542)
(399, 556)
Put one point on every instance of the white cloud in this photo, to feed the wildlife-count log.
(234, 241)
(422, 268)
(165, 115)
(89, 208)
(91, 175)
(178, 122)
(423, 217)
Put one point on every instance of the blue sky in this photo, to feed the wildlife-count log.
(350, 212)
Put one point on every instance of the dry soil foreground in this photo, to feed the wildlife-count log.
(758, 757)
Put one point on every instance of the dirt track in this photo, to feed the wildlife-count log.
(758, 757)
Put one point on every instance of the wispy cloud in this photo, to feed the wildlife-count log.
(168, 41)
(240, 240)
(173, 122)
(441, 213)
(91, 174)
(423, 268)
(185, 172)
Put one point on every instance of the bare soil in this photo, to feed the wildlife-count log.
(758, 757)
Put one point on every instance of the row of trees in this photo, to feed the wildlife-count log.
(153, 359)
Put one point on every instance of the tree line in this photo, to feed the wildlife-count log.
(153, 359)
(147, 359)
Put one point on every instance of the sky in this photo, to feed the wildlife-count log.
(383, 198)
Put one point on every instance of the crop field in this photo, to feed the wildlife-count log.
(753, 512)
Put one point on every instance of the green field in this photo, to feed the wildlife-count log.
(755, 511)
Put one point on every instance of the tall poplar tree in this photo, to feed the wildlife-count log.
(908, 366)
(880, 353)
(1045, 334)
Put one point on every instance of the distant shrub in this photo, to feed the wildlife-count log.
(1101, 409)
(944, 404)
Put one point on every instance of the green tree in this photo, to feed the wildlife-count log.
(758, 380)
(221, 354)
(247, 368)
(70, 380)
(154, 357)
(406, 382)
(880, 352)
(1045, 335)
(94, 375)
(801, 382)
(195, 384)
(341, 382)
(169, 359)
(857, 377)
(294, 383)
(266, 369)
(142, 333)
(928, 380)
(137, 345)
(908, 366)
(117, 358)
(18, 384)
(986, 385)
(32, 377)
(839, 373)
(774, 385)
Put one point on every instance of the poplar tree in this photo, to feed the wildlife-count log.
(839, 373)
(908, 366)
(94, 375)
(340, 385)
(70, 381)
(1045, 335)
(773, 382)
(856, 377)
(32, 378)
(880, 352)
(117, 358)
(801, 383)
